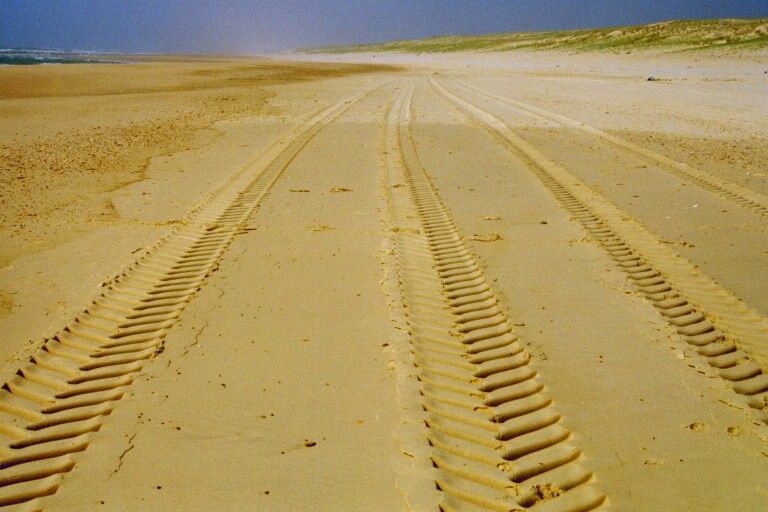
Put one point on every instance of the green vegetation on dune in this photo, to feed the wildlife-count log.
(681, 35)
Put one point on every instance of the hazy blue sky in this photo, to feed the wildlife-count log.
(241, 26)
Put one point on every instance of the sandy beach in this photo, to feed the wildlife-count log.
(386, 281)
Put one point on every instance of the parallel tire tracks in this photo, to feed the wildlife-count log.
(730, 337)
(753, 201)
(496, 440)
(50, 409)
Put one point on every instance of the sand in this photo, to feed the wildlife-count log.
(388, 282)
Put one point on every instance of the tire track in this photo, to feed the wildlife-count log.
(730, 337)
(52, 406)
(754, 202)
(496, 440)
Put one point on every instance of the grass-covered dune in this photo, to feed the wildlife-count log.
(743, 34)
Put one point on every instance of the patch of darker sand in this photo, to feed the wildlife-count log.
(740, 160)
(53, 186)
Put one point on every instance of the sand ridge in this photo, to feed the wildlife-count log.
(722, 35)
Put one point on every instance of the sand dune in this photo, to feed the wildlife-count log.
(451, 283)
(730, 35)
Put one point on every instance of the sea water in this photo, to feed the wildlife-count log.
(26, 57)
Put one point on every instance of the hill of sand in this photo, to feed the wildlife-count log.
(458, 282)
(729, 35)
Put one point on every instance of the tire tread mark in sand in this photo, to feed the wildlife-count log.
(729, 336)
(51, 407)
(754, 202)
(496, 440)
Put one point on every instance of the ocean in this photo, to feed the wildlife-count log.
(26, 57)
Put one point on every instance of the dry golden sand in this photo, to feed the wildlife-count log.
(70, 134)
(348, 254)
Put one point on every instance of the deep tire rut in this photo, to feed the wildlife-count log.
(730, 337)
(51, 408)
(752, 201)
(495, 438)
